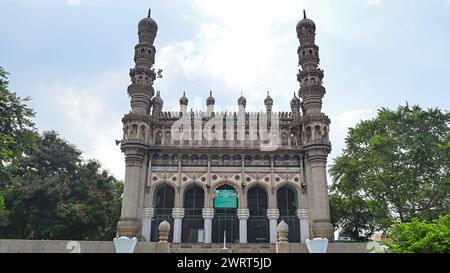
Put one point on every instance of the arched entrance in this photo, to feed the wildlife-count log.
(225, 219)
(164, 201)
(287, 202)
(194, 198)
(257, 224)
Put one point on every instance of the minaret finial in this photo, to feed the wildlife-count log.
(149, 11)
(210, 93)
(304, 14)
(184, 93)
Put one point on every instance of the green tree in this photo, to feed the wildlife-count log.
(17, 131)
(54, 194)
(421, 236)
(394, 168)
(17, 134)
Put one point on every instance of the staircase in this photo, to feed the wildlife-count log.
(218, 248)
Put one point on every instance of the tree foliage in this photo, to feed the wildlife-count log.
(55, 195)
(420, 236)
(17, 132)
(394, 168)
(47, 191)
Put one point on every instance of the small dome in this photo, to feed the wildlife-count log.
(184, 100)
(295, 102)
(242, 101)
(210, 100)
(164, 226)
(157, 100)
(282, 227)
(148, 24)
(268, 100)
(306, 25)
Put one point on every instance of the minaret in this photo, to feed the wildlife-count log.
(183, 103)
(242, 103)
(210, 101)
(268, 102)
(295, 108)
(315, 126)
(136, 127)
(157, 104)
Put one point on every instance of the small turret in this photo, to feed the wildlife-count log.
(183, 103)
(210, 101)
(268, 102)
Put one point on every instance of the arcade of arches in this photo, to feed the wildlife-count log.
(251, 221)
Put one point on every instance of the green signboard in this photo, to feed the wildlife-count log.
(225, 199)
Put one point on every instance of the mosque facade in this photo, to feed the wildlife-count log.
(232, 175)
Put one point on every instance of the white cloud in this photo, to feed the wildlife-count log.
(340, 125)
(73, 2)
(242, 45)
(89, 120)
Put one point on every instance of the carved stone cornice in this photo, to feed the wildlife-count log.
(138, 88)
(136, 117)
(140, 70)
(315, 117)
(134, 160)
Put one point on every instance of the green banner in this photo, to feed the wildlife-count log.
(225, 199)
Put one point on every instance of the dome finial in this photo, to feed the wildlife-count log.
(149, 12)
(184, 93)
(304, 14)
(210, 92)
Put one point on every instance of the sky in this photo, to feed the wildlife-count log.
(72, 57)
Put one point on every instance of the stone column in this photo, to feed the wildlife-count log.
(208, 215)
(243, 215)
(321, 224)
(128, 223)
(303, 216)
(273, 215)
(147, 224)
(177, 214)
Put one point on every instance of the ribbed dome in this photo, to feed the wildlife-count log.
(184, 100)
(210, 100)
(268, 100)
(148, 24)
(306, 25)
(242, 101)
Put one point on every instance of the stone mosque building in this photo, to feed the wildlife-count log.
(205, 187)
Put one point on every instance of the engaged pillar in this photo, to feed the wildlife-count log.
(273, 215)
(147, 224)
(303, 216)
(208, 215)
(177, 214)
(243, 215)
